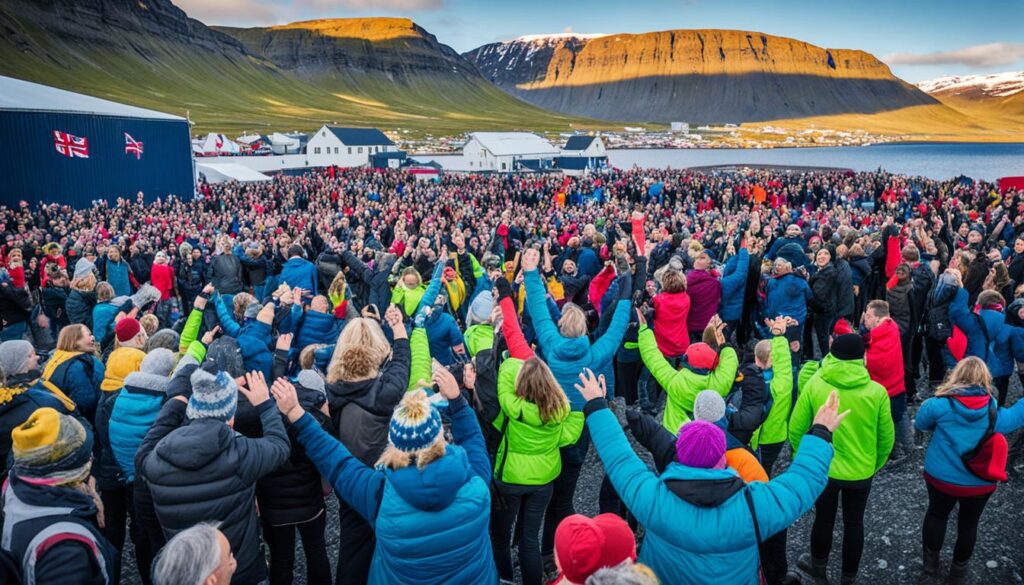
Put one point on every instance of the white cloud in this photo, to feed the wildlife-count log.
(989, 55)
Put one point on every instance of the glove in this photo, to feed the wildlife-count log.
(625, 287)
(504, 288)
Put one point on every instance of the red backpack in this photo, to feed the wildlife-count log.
(987, 460)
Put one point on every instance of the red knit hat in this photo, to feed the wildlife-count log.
(126, 329)
(842, 327)
(700, 355)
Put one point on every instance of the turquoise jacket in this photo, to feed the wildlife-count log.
(431, 525)
(724, 550)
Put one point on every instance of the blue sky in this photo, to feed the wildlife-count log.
(919, 39)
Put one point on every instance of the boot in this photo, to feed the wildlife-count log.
(931, 562)
(816, 568)
(958, 573)
(848, 579)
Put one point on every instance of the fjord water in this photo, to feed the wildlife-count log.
(932, 160)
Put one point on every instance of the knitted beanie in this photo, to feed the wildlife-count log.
(14, 356)
(480, 309)
(708, 406)
(311, 380)
(842, 327)
(126, 329)
(213, 396)
(51, 446)
(415, 425)
(165, 338)
(700, 444)
(848, 347)
(158, 362)
(225, 355)
(83, 268)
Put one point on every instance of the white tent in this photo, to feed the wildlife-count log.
(220, 172)
(218, 144)
(283, 144)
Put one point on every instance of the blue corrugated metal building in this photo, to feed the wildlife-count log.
(64, 147)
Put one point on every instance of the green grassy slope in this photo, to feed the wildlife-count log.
(234, 92)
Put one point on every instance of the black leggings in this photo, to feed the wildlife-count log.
(281, 540)
(935, 519)
(627, 377)
(855, 501)
(356, 543)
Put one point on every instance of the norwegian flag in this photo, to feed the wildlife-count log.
(132, 146)
(69, 145)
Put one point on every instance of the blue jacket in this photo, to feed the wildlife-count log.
(725, 549)
(255, 343)
(316, 327)
(443, 334)
(135, 409)
(958, 424)
(734, 281)
(74, 380)
(568, 356)
(431, 525)
(588, 263)
(967, 321)
(117, 276)
(103, 321)
(777, 245)
(787, 295)
(299, 272)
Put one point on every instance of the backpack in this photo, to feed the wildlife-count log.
(987, 460)
(734, 401)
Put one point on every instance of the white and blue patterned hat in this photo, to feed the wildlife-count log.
(416, 423)
(213, 396)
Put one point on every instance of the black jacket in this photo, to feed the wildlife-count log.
(824, 293)
(292, 493)
(361, 411)
(752, 411)
(226, 274)
(54, 301)
(369, 285)
(15, 304)
(79, 307)
(13, 412)
(205, 471)
(844, 288)
(901, 307)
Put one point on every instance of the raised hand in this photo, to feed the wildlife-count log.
(828, 415)
(210, 335)
(446, 383)
(287, 400)
(530, 260)
(592, 386)
(284, 342)
(257, 391)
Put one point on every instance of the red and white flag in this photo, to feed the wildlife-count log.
(132, 146)
(69, 145)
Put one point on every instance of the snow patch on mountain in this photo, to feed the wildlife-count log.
(995, 85)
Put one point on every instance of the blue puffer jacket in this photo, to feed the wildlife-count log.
(117, 276)
(588, 263)
(103, 321)
(255, 343)
(299, 272)
(777, 245)
(134, 411)
(316, 327)
(443, 334)
(958, 423)
(431, 525)
(725, 549)
(734, 281)
(566, 356)
(787, 296)
(967, 321)
(74, 380)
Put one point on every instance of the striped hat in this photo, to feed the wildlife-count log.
(213, 396)
(51, 447)
(415, 425)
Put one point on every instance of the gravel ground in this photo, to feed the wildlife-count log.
(892, 542)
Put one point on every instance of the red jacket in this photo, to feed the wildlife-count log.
(884, 357)
(162, 277)
(670, 313)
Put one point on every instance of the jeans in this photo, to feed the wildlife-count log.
(356, 543)
(898, 410)
(855, 500)
(939, 507)
(281, 541)
(532, 500)
(561, 504)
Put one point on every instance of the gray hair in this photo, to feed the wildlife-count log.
(188, 558)
(783, 264)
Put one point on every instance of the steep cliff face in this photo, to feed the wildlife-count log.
(382, 72)
(699, 76)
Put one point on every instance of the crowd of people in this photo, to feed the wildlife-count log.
(198, 377)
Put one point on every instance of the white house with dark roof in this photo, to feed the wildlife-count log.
(506, 151)
(346, 147)
(581, 154)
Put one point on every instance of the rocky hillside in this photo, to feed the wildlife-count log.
(701, 76)
(999, 95)
(381, 72)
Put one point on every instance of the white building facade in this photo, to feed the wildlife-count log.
(346, 147)
(506, 151)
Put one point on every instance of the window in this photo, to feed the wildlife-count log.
(503, 166)
(335, 150)
(316, 150)
(350, 150)
(360, 150)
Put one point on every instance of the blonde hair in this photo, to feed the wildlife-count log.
(763, 350)
(337, 287)
(150, 323)
(537, 384)
(573, 322)
(307, 357)
(969, 372)
(417, 405)
(85, 283)
(70, 336)
(241, 301)
(360, 351)
(104, 291)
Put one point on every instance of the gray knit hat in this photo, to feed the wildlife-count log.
(708, 406)
(84, 268)
(213, 396)
(14, 356)
(480, 309)
(165, 338)
(159, 362)
(311, 380)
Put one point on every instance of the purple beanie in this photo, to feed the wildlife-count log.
(700, 444)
